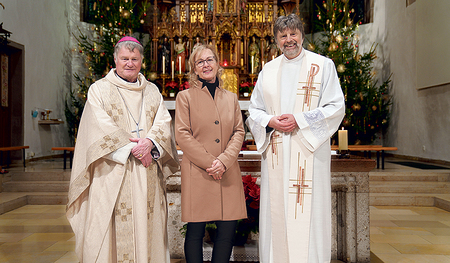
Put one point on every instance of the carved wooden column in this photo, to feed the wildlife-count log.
(155, 54)
(261, 52)
(246, 52)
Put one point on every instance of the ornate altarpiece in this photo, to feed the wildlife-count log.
(241, 30)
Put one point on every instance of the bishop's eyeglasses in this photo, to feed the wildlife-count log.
(208, 60)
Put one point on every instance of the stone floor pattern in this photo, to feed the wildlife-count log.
(41, 234)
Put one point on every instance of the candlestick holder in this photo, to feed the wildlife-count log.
(343, 154)
(164, 91)
(252, 77)
(180, 78)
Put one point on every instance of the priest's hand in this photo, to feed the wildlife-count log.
(217, 169)
(284, 123)
(142, 150)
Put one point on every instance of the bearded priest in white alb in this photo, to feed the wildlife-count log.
(296, 106)
(125, 149)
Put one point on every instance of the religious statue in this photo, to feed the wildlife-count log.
(197, 43)
(210, 5)
(164, 56)
(255, 56)
(243, 6)
(180, 48)
(271, 50)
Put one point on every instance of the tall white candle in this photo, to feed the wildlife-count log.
(179, 64)
(343, 140)
(253, 61)
(164, 65)
(173, 68)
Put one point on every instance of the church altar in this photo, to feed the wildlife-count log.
(350, 209)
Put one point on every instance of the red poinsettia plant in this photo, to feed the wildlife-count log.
(252, 191)
(252, 194)
(184, 86)
(171, 86)
(247, 86)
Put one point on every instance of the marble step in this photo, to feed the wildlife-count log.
(409, 187)
(403, 199)
(408, 199)
(13, 200)
(410, 176)
(47, 198)
(38, 176)
(36, 186)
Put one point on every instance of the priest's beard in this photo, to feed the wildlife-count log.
(292, 53)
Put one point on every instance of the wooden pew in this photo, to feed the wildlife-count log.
(65, 149)
(368, 149)
(8, 150)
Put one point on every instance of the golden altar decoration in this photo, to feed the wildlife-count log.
(230, 25)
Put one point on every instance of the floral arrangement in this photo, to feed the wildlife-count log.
(252, 195)
(246, 87)
(171, 86)
(252, 191)
(184, 86)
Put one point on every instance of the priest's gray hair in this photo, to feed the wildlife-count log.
(292, 21)
(130, 45)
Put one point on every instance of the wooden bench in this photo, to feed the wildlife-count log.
(65, 149)
(8, 150)
(368, 149)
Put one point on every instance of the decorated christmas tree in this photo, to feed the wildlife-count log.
(109, 21)
(367, 101)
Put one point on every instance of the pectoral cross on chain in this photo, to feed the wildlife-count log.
(137, 130)
(309, 84)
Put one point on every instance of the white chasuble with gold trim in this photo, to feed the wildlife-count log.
(295, 201)
(118, 210)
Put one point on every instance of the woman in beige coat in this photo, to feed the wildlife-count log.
(209, 131)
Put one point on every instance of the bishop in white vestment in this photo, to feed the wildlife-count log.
(124, 151)
(296, 106)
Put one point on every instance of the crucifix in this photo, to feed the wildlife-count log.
(137, 130)
(140, 113)
(301, 186)
(276, 139)
(309, 84)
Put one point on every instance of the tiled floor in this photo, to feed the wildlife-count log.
(410, 234)
(41, 233)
